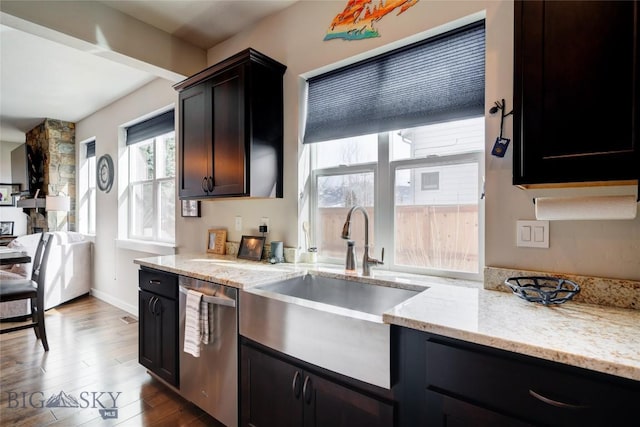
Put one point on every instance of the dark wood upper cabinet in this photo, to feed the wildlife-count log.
(576, 92)
(231, 129)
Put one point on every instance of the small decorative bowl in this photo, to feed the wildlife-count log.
(545, 290)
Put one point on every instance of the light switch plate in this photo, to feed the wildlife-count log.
(532, 234)
(238, 223)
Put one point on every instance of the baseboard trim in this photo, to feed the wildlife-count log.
(133, 309)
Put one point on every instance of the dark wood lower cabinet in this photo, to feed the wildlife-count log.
(442, 410)
(448, 382)
(276, 392)
(158, 324)
(334, 405)
(270, 391)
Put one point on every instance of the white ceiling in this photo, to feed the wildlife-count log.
(201, 23)
(42, 79)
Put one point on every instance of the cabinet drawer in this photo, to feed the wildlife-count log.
(158, 282)
(542, 392)
(443, 410)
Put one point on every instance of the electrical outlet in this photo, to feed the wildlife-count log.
(238, 223)
(265, 221)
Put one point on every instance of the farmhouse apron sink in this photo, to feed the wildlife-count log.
(330, 322)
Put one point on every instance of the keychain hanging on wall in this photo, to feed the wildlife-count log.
(501, 144)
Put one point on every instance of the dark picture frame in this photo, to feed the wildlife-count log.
(6, 191)
(6, 228)
(251, 248)
(190, 208)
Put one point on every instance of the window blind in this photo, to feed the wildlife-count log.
(149, 128)
(436, 80)
(91, 148)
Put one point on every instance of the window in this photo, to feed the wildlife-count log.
(430, 180)
(152, 162)
(418, 173)
(87, 183)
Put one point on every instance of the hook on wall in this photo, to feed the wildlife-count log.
(501, 144)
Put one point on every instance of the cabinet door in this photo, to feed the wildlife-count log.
(158, 335)
(446, 411)
(195, 142)
(329, 404)
(576, 91)
(228, 130)
(166, 312)
(147, 342)
(271, 391)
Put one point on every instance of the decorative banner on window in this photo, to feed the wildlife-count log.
(356, 21)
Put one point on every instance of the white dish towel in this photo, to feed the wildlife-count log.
(194, 322)
(207, 322)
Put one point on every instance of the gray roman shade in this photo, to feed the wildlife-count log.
(91, 148)
(436, 80)
(150, 128)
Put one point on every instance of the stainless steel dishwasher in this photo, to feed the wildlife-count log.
(211, 380)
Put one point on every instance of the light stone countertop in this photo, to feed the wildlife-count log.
(223, 269)
(603, 339)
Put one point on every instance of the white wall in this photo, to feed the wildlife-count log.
(295, 38)
(8, 213)
(115, 275)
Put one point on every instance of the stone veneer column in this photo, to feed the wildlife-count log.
(55, 140)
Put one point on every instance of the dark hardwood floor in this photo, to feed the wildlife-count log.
(93, 352)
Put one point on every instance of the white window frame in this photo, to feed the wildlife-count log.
(384, 172)
(156, 183)
(87, 190)
(316, 174)
(91, 196)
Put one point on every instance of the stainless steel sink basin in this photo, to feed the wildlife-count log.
(329, 322)
(349, 294)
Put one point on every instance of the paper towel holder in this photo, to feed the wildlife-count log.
(572, 208)
(533, 199)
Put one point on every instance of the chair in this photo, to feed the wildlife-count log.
(22, 289)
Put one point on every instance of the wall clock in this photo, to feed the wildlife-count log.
(104, 170)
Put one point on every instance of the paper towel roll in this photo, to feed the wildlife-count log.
(581, 208)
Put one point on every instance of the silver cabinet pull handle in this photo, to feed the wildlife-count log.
(556, 403)
(150, 305)
(155, 282)
(307, 386)
(295, 385)
(204, 184)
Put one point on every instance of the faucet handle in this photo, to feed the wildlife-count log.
(377, 262)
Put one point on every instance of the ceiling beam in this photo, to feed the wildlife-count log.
(100, 30)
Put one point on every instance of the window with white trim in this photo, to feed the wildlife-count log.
(430, 180)
(87, 187)
(418, 176)
(151, 150)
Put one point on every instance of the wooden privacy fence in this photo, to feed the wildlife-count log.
(437, 237)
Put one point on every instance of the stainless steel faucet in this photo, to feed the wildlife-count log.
(346, 234)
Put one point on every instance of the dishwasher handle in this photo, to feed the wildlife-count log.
(217, 300)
